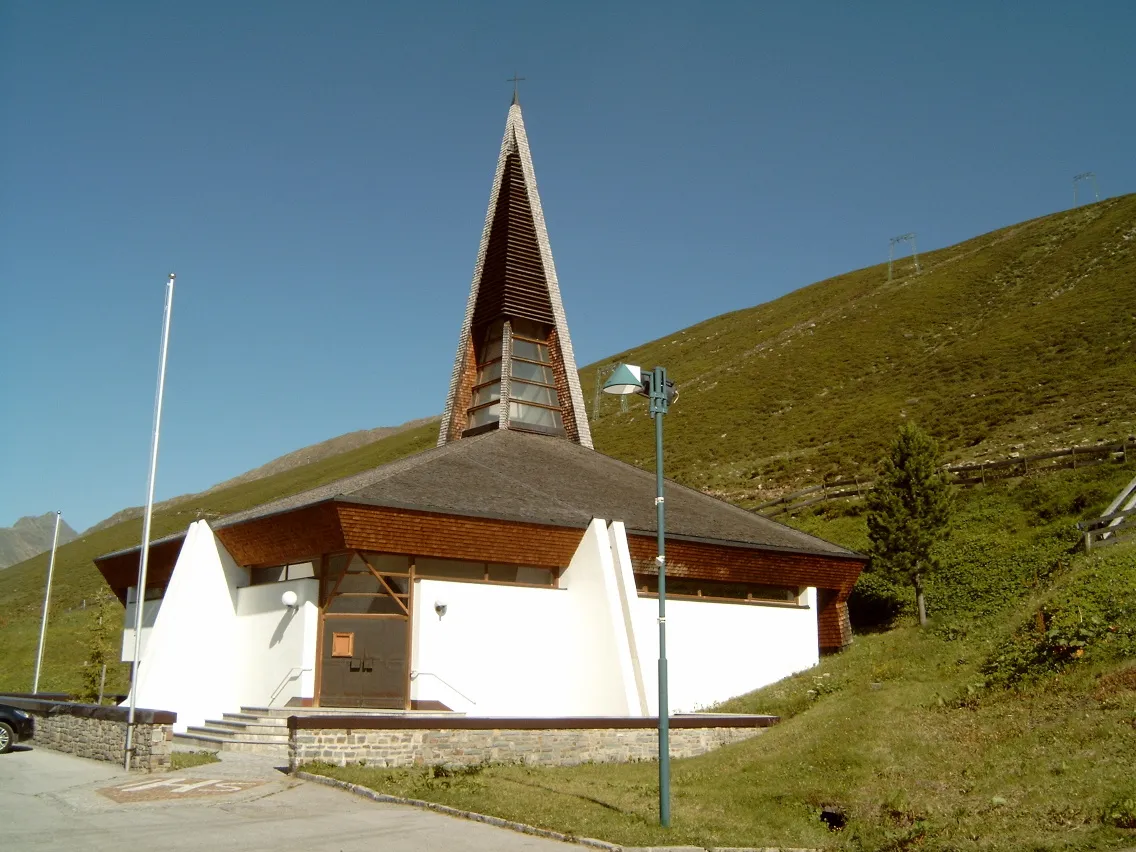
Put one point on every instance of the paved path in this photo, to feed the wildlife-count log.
(52, 801)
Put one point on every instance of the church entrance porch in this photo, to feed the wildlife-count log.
(364, 638)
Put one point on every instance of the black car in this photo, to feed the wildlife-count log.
(15, 725)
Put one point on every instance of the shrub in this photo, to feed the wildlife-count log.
(1121, 810)
(875, 602)
(1090, 616)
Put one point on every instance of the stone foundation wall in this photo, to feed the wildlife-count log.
(537, 747)
(99, 733)
(102, 739)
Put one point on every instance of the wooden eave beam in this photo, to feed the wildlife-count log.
(285, 537)
(121, 571)
(704, 561)
(427, 534)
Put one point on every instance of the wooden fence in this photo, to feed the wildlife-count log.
(1117, 522)
(964, 475)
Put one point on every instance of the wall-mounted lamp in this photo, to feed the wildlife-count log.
(289, 599)
(440, 607)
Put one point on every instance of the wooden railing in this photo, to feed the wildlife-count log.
(1117, 522)
(1108, 529)
(964, 475)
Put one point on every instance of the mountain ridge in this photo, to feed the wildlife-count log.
(30, 536)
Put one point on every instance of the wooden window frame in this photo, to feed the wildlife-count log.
(553, 586)
(533, 404)
(474, 408)
(484, 579)
(416, 574)
(476, 388)
(741, 601)
(364, 615)
(530, 382)
(491, 361)
(531, 361)
(382, 581)
(525, 337)
(533, 341)
(370, 570)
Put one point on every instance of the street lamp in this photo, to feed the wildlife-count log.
(626, 379)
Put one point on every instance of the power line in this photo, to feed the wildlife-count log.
(1089, 176)
(903, 238)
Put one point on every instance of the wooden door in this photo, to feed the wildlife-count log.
(365, 635)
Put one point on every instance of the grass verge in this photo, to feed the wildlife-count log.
(189, 759)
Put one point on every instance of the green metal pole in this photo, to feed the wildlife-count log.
(658, 409)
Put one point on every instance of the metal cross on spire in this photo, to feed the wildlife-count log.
(515, 80)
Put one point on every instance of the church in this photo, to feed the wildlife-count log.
(509, 571)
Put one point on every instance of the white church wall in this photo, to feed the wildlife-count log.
(277, 644)
(498, 650)
(506, 650)
(628, 603)
(600, 662)
(718, 650)
(149, 616)
(192, 663)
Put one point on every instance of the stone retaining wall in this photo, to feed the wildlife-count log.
(99, 733)
(554, 744)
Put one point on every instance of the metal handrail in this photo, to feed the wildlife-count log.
(293, 673)
(416, 675)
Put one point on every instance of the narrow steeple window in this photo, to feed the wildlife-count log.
(485, 402)
(533, 400)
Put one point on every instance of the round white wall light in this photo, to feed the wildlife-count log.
(289, 599)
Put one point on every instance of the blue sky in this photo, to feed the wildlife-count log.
(317, 176)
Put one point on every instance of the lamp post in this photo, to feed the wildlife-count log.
(628, 379)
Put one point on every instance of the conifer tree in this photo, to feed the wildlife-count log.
(908, 511)
(98, 651)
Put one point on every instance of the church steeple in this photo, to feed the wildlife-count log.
(514, 367)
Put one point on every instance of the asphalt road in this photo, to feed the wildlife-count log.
(53, 801)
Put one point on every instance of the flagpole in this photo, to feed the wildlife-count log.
(46, 602)
(140, 589)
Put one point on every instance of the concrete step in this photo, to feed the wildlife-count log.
(204, 742)
(267, 749)
(241, 717)
(208, 742)
(228, 735)
(283, 713)
(259, 726)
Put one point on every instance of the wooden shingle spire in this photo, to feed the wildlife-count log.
(514, 367)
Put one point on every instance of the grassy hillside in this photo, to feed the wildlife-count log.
(982, 732)
(1023, 337)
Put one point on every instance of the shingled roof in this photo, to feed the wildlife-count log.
(544, 480)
